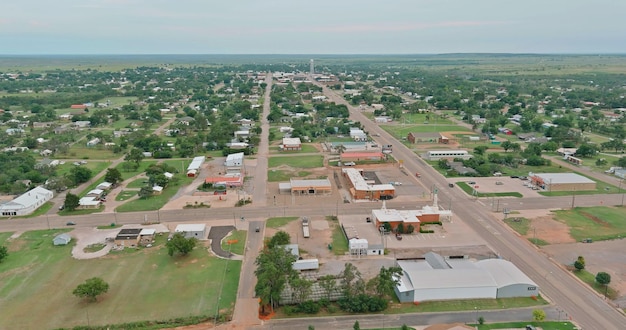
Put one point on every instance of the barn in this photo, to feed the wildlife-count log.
(562, 181)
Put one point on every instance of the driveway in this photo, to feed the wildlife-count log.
(216, 234)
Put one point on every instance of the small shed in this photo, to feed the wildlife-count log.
(358, 246)
(197, 231)
(62, 239)
(104, 186)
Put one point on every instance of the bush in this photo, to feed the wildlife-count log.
(362, 303)
(290, 310)
(309, 307)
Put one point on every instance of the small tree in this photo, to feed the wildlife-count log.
(145, 192)
(539, 315)
(3, 253)
(481, 320)
(579, 264)
(410, 229)
(604, 279)
(91, 289)
(113, 176)
(180, 244)
(71, 201)
(356, 326)
(280, 238)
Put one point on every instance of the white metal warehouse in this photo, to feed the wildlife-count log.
(437, 278)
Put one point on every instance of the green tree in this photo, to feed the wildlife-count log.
(179, 244)
(603, 278)
(340, 148)
(539, 315)
(91, 289)
(80, 174)
(480, 150)
(280, 238)
(145, 192)
(579, 264)
(586, 150)
(481, 320)
(135, 155)
(356, 326)
(301, 288)
(351, 281)
(329, 284)
(385, 282)
(113, 176)
(506, 145)
(71, 202)
(274, 270)
(4, 252)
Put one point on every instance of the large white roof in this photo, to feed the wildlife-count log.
(309, 183)
(291, 141)
(28, 198)
(190, 227)
(504, 272)
(196, 163)
(359, 182)
(556, 178)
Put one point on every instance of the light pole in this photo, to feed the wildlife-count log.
(476, 314)
(620, 190)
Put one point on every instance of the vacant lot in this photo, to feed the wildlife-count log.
(144, 285)
(598, 223)
(297, 161)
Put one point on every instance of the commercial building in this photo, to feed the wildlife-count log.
(562, 181)
(228, 180)
(291, 144)
(306, 187)
(192, 230)
(415, 218)
(427, 137)
(438, 278)
(234, 163)
(361, 189)
(362, 156)
(26, 203)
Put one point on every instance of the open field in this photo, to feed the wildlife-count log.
(279, 175)
(156, 202)
(279, 222)
(298, 162)
(549, 325)
(469, 190)
(597, 223)
(95, 167)
(590, 279)
(142, 285)
(235, 242)
(401, 131)
(129, 174)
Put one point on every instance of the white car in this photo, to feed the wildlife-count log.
(349, 163)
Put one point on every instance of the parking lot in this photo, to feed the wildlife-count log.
(488, 185)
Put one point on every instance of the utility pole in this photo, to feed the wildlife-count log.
(573, 197)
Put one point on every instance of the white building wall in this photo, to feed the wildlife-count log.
(455, 293)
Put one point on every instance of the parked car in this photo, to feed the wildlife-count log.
(398, 236)
(471, 182)
(499, 183)
(349, 163)
(451, 185)
(257, 229)
(514, 176)
(70, 223)
(62, 207)
(587, 240)
(418, 175)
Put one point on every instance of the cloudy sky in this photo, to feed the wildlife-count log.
(311, 27)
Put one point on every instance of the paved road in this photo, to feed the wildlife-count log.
(589, 309)
(259, 181)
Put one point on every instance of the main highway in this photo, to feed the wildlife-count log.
(585, 306)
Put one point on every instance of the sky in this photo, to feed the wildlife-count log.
(311, 27)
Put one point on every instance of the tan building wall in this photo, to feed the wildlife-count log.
(572, 186)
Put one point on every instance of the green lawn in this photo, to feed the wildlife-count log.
(466, 305)
(298, 162)
(80, 150)
(401, 131)
(236, 247)
(155, 202)
(138, 183)
(279, 175)
(340, 242)
(590, 279)
(597, 223)
(95, 167)
(519, 224)
(142, 285)
(469, 190)
(125, 194)
(550, 325)
(4, 236)
(279, 222)
(81, 212)
(143, 165)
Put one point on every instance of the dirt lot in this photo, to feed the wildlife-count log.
(488, 185)
(606, 256)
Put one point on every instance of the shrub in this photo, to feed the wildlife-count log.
(309, 307)
(362, 303)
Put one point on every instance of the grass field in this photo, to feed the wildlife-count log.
(95, 167)
(469, 190)
(238, 242)
(279, 222)
(79, 150)
(590, 279)
(278, 175)
(142, 285)
(520, 225)
(129, 174)
(597, 223)
(125, 194)
(401, 131)
(340, 242)
(550, 325)
(297, 162)
(155, 202)
(138, 183)
(4, 237)
(466, 305)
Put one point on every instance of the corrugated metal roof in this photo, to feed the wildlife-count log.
(560, 178)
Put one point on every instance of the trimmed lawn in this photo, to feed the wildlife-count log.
(549, 325)
(340, 242)
(80, 150)
(155, 202)
(125, 194)
(520, 225)
(4, 236)
(35, 268)
(597, 223)
(238, 242)
(139, 183)
(81, 212)
(590, 279)
(298, 162)
(401, 131)
(278, 175)
(469, 190)
(95, 167)
(279, 222)
(143, 165)
(465, 305)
